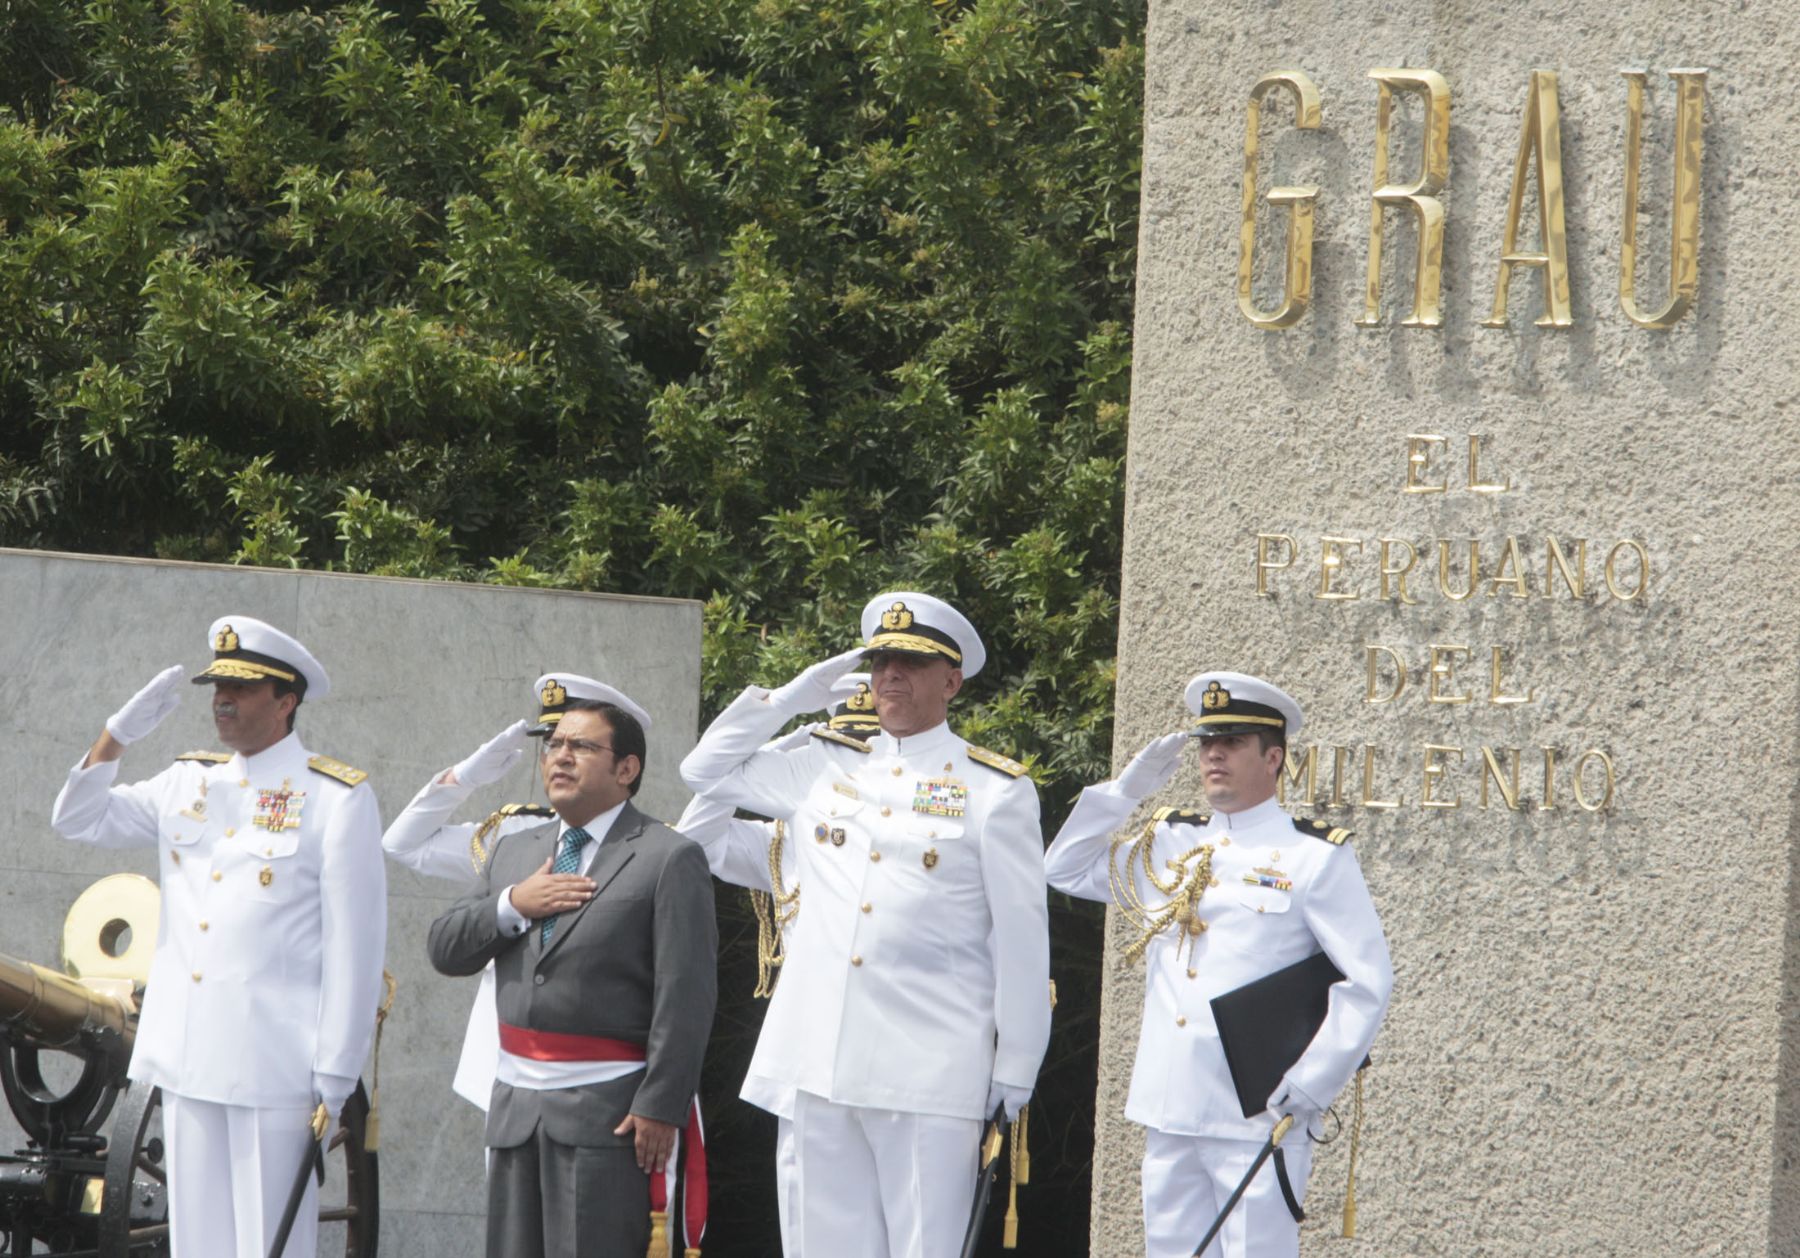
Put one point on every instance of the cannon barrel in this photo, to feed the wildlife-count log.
(50, 1010)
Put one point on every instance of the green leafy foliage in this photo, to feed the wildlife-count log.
(768, 303)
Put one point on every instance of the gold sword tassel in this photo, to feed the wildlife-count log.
(1021, 1174)
(1356, 1122)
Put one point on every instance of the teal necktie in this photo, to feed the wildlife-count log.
(568, 861)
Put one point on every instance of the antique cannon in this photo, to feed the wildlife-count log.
(90, 1182)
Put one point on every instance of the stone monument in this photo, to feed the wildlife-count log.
(1464, 410)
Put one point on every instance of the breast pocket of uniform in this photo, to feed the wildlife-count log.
(939, 845)
(271, 855)
(183, 830)
(833, 813)
(1258, 898)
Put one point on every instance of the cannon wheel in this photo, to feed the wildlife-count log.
(134, 1214)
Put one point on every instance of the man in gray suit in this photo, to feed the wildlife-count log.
(600, 926)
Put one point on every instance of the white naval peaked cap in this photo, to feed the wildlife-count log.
(554, 690)
(247, 649)
(1237, 703)
(918, 624)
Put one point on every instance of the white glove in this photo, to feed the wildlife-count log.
(1152, 767)
(145, 710)
(811, 691)
(489, 762)
(1014, 1098)
(1287, 1098)
(332, 1091)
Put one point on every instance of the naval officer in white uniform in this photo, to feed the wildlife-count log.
(915, 994)
(1219, 902)
(261, 1003)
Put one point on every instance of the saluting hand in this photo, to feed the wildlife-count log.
(812, 689)
(1152, 767)
(146, 709)
(489, 762)
(545, 894)
(655, 1141)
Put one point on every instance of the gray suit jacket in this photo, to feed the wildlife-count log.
(638, 962)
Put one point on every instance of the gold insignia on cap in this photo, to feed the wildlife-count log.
(227, 639)
(554, 694)
(864, 698)
(897, 617)
(1216, 697)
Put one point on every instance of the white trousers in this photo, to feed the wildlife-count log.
(230, 1171)
(1188, 1179)
(875, 1183)
(787, 1186)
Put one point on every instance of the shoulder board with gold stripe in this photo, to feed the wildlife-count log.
(843, 740)
(209, 757)
(1337, 836)
(337, 769)
(524, 810)
(994, 760)
(1182, 816)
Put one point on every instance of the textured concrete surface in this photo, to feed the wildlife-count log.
(422, 672)
(1594, 1046)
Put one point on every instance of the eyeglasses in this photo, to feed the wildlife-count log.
(554, 747)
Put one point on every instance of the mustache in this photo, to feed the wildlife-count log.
(225, 708)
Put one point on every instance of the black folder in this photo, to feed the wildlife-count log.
(1266, 1025)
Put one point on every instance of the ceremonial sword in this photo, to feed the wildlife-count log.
(984, 1178)
(1281, 1129)
(311, 1162)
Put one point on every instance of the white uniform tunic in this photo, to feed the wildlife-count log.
(268, 957)
(1254, 926)
(1277, 894)
(917, 970)
(267, 974)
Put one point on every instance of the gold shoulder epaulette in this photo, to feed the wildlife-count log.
(844, 740)
(337, 769)
(1182, 816)
(523, 810)
(994, 760)
(210, 757)
(1334, 835)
